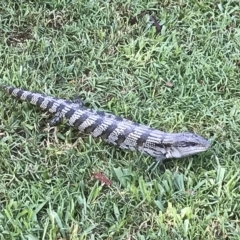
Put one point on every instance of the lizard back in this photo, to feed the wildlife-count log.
(116, 130)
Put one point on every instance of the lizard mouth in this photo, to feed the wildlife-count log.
(191, 151)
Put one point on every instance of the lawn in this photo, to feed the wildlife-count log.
(185, 77)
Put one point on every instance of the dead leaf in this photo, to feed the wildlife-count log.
(156, 24)
(169, 84)
(135, 19)
(102, 178)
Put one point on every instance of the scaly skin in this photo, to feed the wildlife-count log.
(116, 130)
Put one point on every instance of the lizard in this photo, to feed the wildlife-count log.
(115, 130)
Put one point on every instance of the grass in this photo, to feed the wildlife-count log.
(88, 49)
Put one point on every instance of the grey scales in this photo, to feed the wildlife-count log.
(115, 130)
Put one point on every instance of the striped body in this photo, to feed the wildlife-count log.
(116, 130)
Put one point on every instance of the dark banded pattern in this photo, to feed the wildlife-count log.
(116, 130)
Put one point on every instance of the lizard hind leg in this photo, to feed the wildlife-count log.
(56, 119)
(75, 103)
(78, 102)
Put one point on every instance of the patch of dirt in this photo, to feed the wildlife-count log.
(18, 37)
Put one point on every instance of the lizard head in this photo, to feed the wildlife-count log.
(186, 144)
